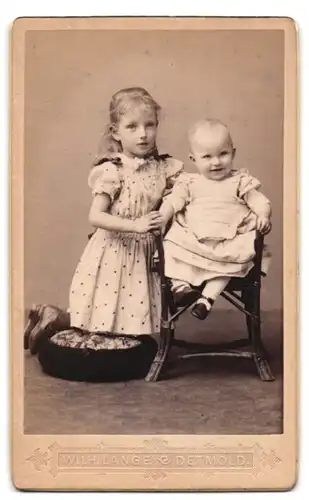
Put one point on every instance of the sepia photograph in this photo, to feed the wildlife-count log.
(153, 197)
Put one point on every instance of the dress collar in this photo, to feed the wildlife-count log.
(136, 163)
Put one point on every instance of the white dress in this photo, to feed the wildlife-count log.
(113, 289)
(213, 231)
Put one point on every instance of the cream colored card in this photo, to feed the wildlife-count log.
(208, 424)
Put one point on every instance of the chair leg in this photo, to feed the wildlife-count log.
(259, 352)
(248, 306)
(249, 327)
(252, 303)
(263, 368)
(158, 363)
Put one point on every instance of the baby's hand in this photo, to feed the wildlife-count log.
(149, 222)
(263, 224)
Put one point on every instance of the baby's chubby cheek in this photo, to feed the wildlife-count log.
(202, 169)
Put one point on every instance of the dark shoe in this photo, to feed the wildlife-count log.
(186, 297)
(33, 319)
(200, 311)
(51, 319)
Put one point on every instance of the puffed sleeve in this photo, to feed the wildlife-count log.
(105, 179)
(180, 195)
(246, 183)
(173, 169)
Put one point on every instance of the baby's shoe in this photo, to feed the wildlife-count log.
(202, 308)
(185, 296)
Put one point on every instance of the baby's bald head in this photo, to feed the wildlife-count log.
(209, 130)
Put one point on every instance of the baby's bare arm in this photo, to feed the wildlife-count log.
(176, 200)
(261, 206)
(258, 203)
(166, 210)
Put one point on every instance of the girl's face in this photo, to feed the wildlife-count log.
(137, 131)
(213, 154)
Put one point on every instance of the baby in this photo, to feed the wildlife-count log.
(216, 214)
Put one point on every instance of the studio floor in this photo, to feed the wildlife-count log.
(196, 396)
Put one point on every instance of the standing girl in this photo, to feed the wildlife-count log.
(113, 288)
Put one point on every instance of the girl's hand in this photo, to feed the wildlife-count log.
(264, 224)
(149, 222)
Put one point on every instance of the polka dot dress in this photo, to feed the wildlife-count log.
(113, 288)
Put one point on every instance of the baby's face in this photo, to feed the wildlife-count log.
(212, 153)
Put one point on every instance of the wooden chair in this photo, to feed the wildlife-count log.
(243, 293)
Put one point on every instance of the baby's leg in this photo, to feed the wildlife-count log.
(210, 292)
(214, 288)
(179, 285)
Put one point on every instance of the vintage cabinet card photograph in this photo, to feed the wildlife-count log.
(154, 253)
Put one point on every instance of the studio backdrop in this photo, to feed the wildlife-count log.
(70, 76)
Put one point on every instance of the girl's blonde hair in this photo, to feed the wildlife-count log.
(120, 103)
